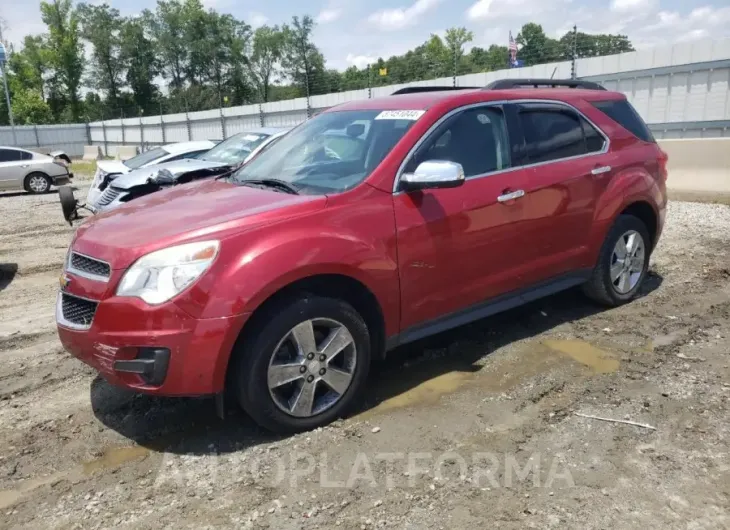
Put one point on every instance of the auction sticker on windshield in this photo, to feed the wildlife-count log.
(400, 115)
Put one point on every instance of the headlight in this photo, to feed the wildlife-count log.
(160, 275)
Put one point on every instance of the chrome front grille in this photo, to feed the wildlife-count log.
(86, 266)
(109, 195)
(77, 311)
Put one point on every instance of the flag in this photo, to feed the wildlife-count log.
(512, 50)
(383, 71)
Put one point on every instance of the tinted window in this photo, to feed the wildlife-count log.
(25, 155)
(475, 138)
(235, 149)
(551, 135)
(624, 114)
(145, 158)
(594, 140)
(9, 155)
(192, 154)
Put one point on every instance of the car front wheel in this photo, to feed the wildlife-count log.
(622, 263)
(305, 367)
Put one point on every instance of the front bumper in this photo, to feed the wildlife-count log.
(153, 349)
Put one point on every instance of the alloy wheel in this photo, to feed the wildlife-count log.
(627, 261)
(312, 367)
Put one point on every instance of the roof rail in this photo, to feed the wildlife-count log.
(417, 89)
(503, 84)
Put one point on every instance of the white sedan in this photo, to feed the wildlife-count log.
(108, 170)
(33, 172)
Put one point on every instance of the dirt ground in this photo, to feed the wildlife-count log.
(478, 426)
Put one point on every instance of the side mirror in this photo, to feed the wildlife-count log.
(433, 174)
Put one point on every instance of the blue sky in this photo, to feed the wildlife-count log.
(356, 31)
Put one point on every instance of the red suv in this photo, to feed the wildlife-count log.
(376, 223)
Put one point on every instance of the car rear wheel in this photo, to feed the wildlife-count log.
(306, 365)
(38, 183)
(622, 263)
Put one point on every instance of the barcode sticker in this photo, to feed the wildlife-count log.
(400, 115)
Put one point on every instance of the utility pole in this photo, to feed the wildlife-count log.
(573, 73)
(5, 84)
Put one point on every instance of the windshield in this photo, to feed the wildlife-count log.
(145, 158)
(332, 152)
(235, 149)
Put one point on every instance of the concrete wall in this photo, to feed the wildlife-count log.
(698, 167)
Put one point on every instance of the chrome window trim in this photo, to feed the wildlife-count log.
(61, 320)
(440, 121)
(84, 274)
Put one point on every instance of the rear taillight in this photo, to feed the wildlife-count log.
(663, 159)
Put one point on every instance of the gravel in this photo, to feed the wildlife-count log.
(474, 427)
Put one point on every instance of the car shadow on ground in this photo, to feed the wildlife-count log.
(190, 425)
(11, 194)
(7, 274)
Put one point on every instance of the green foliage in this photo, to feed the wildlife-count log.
(65, 50)
(101, 26)
(29, 108)
(208, 59)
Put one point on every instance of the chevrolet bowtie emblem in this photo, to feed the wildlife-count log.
(64, 281)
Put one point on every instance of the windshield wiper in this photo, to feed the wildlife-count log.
(272, 183)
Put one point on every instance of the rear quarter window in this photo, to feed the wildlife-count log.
(625, 115)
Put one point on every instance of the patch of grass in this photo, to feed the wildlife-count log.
(83, 169)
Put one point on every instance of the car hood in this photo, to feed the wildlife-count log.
(208, 208)
(140, 176)
(112, 166)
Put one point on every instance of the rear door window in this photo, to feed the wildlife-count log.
(626, 116)
(552, 134)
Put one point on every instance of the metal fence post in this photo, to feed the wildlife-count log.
(37, 139)
(370, 82)
(88, 132)
(162, 125)
(141, 132)
(261, 115)
(223, 124)
(573, 72)
(121, 120)
(103, 130)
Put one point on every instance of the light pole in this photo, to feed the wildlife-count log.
(7, 93)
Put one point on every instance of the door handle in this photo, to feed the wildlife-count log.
(511, 196)
(600, 170)
(25, 166)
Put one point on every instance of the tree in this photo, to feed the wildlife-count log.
(302, 62)
(138, 53)
(594, 45)
(29, 108)
(493, 58)
(101, 25)
(456, 39)
(30, 65)
(537, 47)
(168, 27)
(266, 52)
(65, 51)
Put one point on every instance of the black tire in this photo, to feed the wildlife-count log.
(599, 287)
(44, 177)
(252, 356)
